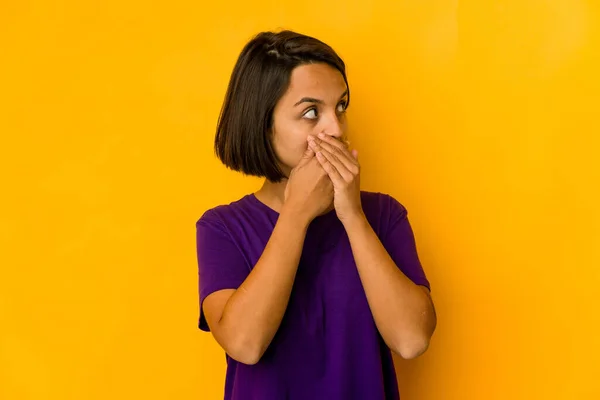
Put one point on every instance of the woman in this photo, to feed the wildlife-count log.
(308, 283)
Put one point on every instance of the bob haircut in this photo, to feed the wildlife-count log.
(261, 76)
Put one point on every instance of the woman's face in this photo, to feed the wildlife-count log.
(315, 102)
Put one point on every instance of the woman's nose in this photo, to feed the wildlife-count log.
(334, 128)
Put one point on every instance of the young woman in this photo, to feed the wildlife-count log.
(309, 282)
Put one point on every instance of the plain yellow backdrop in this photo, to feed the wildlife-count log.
(481, 117)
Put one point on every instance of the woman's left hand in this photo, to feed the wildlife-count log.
(344, 171)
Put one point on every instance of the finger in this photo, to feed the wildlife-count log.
(340, 149)
(331, 140)
(331, 171)
(309, 153)
(355, 154)
(343, 147)
(339, 166)
(345, 158)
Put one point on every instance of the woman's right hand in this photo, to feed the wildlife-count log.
(309, 190)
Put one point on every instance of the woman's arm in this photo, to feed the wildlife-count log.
(244, 321)
(404, 312)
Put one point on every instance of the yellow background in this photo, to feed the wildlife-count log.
(481, 117)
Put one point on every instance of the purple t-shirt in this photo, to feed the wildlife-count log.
(327, 346)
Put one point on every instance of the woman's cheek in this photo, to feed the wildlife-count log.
(293, 145)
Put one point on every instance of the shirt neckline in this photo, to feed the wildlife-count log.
(328, 215)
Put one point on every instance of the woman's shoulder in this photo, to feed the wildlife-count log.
(379, 203)
(382, 210)
(225, 212)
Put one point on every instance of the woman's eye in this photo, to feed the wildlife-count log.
(311, 114)
(342, 107)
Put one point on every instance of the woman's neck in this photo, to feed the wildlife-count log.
(272, 194)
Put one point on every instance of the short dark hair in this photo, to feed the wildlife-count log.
(259, 79)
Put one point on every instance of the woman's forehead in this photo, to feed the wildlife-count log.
(316, 80)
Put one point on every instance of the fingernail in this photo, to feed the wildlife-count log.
(321, 135)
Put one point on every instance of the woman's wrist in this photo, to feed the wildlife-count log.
(295, 216)
(355, 221)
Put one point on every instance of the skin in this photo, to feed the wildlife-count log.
(309, 134)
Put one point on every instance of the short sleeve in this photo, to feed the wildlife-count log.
(399, 241)
(220, 262)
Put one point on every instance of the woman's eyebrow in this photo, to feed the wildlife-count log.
(308, 100)
(316, 101)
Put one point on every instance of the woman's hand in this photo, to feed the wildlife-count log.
(309, 191)
(344, 171)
